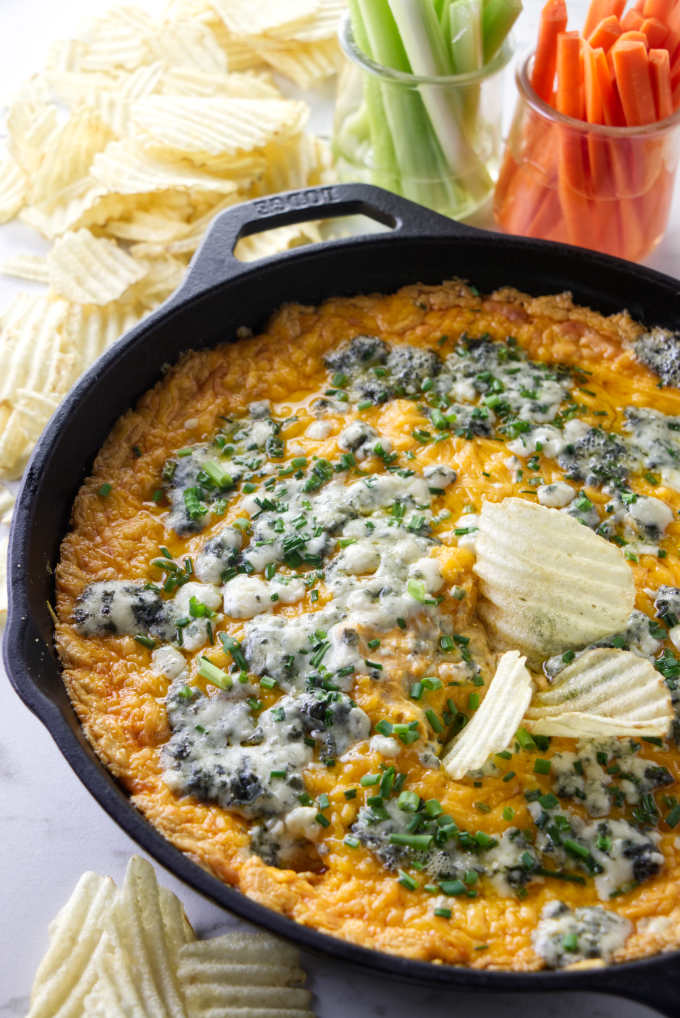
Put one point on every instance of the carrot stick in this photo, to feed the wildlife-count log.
(631, 20)
(600, 9)
(676, 96)
(656, 32)
(631, 67)
(569, 74)
(624, 232)
(660, 75)
(572, 163)
(605, 33)
(611, 104)
(658, 9)
(553, 22)
(633, 36)
(598, 147)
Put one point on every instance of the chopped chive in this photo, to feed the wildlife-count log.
(482, 807)
(350, 793)
(570, 942)
(267, 682)
(233, 647)
(324, 801)
(105, 489)
(473, 701)
(369, 779)
(384, 727)
(509, 776)
(217, 474)
(146, 641)
(575, 848)
(416, 691)
(277, 774)
(431, 682)
(548, 801)
(433, 808)
(524, 739)
(387, 782)
(541, 766)
(351, 841)
(322, 820)
(452, 887)
(673, 818)
(408, 801)
(484, 840)
(372, 644)
(418, 841)
(508, 813)
(406, 881)
(207, 670)
(443, 913)
(434, 721)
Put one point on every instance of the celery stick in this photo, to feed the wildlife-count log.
(419, 157)
(426, 49)
(498, 17)
(386, 169)
(467, 54)
(465, 35)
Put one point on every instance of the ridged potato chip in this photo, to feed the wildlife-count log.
(133, 161)
(13, 187)
(604, 691)
(139, 974)
(324, 24)
(27, 266)
(495, 721)
(91, 270)
(305, 63)
(7, 500)
(121, 169)
(3, 576)
(189, 44)
(242, 17)
(68, 970)
(90, 330)
(68, 156)
(38, 369)
(240, 947)
(201, 128)
(548, 582)
(191, 81)
(31, 127)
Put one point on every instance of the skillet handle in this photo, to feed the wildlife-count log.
(214, 262)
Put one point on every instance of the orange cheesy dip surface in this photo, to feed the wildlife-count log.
(269, 627)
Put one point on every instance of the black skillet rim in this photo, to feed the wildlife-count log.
(640, 979)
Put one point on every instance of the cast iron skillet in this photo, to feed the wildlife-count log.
(218, 295)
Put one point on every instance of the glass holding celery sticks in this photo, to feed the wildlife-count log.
(419, 105)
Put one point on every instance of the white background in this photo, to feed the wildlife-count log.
(50, 828)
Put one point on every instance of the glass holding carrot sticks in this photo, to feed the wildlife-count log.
(593, 148)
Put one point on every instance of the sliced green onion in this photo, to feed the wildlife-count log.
(207, 670)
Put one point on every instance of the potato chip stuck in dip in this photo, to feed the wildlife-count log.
(303, 562)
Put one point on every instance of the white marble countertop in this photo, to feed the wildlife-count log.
(52, 829)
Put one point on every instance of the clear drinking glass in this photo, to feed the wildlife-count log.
(605, 188)
(435, 140)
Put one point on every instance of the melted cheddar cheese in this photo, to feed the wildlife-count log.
(268, 624)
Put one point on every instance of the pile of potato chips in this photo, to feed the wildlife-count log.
(116, 952)
(121, 152)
